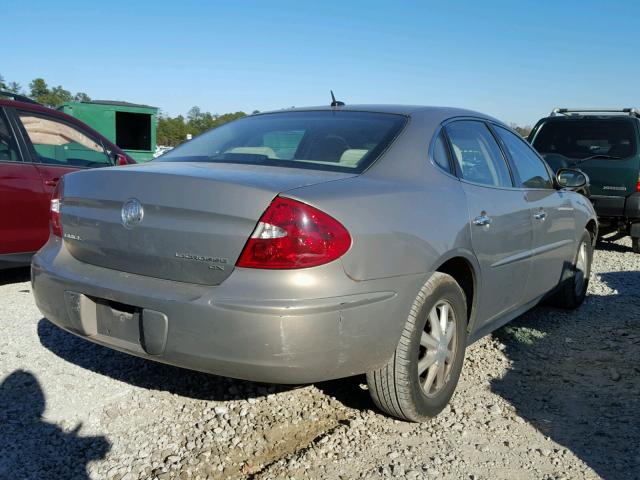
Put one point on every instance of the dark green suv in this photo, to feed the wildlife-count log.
(605, 145)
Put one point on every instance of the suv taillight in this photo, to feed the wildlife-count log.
(54, 219)
(292, 234)
(638, 185)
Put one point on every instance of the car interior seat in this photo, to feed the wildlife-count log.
(327, 149)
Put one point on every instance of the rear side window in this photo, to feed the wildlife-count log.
(440, 153)
(321, 140)
(582, 138)
(8, 148)
(477, 154)
(529, 167)
(58, 143)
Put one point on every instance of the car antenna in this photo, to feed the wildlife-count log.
(334, 102)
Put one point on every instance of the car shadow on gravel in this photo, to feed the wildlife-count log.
(612, 246)
(158, 376)
(146, 373)
(14, 275)
(351, 392)
(575, 376)
(33, 448)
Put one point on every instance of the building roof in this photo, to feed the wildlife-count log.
(119, 103)
(114, 103)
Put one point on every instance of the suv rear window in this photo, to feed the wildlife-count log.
(582, 138)
(322, 140)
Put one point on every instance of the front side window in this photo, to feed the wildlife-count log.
(8, 148)
(58, 143)
(583, 138)
(322, 140)
(477, 154)
(528, 166)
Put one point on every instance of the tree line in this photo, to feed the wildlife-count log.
(41, 92)
(174, 130)
(523, 131)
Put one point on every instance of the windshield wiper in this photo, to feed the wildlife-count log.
(599, 155)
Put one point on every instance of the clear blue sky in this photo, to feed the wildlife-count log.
(513, 59)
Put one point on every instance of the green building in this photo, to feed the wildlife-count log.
(132, 127)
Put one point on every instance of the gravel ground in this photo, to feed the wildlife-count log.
(553, 395)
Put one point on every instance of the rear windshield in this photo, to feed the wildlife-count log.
(586, 138)
(324, 140)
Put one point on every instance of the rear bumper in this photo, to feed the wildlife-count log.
(325, 325)
(627, 208)
(608, 206)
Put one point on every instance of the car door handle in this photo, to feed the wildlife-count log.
(482, 220)
(540, 215)
(51, 182)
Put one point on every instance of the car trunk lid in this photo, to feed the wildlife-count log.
(195, 218)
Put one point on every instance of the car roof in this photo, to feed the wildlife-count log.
(116, 103)
(407, 110)
(583, 118)
(564, 118)
(616, 115)
(7, 102)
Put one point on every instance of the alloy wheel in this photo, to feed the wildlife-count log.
(437, 348)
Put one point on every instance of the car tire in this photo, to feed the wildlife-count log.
(635, 244)
(574, 286)
(398, 388)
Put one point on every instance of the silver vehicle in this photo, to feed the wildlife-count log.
(312, 244)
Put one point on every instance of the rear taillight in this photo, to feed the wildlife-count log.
(638, 185)
(292, 234)
(54, 220)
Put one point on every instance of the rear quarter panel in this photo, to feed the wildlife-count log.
(401, 233)
(397, 228)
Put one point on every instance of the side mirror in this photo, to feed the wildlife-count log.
(571, 179)
(121, 160)
(117, 159)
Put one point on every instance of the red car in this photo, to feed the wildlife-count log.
(38, 145)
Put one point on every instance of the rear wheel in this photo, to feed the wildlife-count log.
(418, 381)
(574, 287)
(635, 244)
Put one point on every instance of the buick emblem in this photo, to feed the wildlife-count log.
(132, 213)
